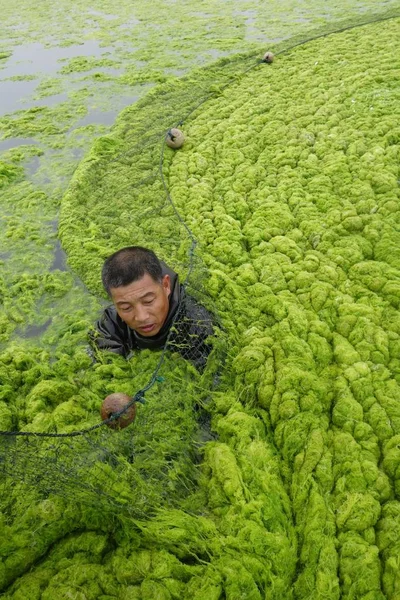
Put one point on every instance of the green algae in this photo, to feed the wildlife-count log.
(295, 258)
(267, 464)
(40, 121)
(22, 78)
(338, 481)
(22, 153)
(48, 87)
(149, 44)
(84, 63)
(9, 173)
(197, 553)
(34, 291)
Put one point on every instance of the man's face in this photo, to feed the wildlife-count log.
(143, 304)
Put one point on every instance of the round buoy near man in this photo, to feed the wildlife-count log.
(114, 404)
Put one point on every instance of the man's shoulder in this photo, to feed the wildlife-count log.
(194, 311)
(193, 326)
(110, 314)
(111, 322)
(193, 306)
(110, 333)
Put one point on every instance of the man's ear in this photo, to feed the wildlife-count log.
(166, 283)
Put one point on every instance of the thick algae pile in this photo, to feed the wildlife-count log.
(142, 528)
(289, 180)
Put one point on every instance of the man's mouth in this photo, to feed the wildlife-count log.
(147, 328)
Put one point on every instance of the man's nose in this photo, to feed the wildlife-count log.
(141, 314)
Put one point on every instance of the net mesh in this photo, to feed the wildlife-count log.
(120, 197)
(133, 472)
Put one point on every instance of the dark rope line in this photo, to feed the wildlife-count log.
(139, 396)
(171, 202)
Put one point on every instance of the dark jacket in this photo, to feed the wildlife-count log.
(187, 326)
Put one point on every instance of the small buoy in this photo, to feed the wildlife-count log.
(114, 403)
(175, 138)
(268, 57)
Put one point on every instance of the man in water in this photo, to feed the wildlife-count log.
(150, 306)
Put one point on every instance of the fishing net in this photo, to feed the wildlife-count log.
(291, 490)
(130, 472)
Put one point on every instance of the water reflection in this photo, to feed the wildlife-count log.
(60, 259)
(33, 330)
(12, 94)
(35, 59)
(97, 116)
(15, 142)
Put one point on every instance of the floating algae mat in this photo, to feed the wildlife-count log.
(289, 181)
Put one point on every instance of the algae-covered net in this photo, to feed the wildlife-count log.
(132, 472)
(281, 215)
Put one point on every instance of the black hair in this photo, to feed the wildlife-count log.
(128, 265)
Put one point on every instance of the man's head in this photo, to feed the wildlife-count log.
(133, 279)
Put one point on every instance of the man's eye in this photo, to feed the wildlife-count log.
(148, 302)
(126, 308)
